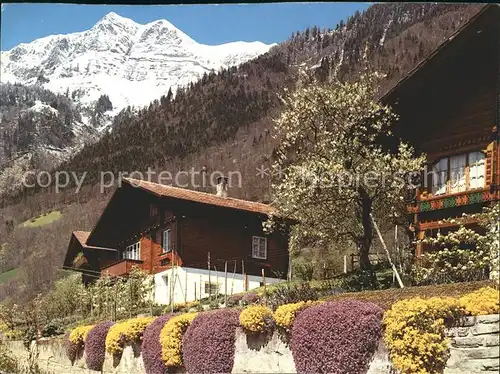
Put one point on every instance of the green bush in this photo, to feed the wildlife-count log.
(289, 294)
(7, 362)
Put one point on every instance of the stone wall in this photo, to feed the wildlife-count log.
(475, 348)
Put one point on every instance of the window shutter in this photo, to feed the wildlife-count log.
(489, 163)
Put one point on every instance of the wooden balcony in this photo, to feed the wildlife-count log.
(121, 268)
(425, 204)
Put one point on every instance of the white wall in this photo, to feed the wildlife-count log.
(187, 279)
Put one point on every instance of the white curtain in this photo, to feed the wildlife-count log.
(439, 176)
(477, 169)
(457, 173)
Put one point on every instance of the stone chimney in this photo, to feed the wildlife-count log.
(222, 186)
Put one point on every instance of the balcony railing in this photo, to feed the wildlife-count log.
(475, 196)
(122, 267)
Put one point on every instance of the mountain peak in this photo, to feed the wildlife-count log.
(115, 18)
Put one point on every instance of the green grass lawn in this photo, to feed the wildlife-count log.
(8, 275)
(43, 219)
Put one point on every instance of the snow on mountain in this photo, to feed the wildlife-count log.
(132, 63)
(41, 107)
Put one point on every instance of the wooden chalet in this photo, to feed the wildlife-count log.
(158, 227)
(449, 108)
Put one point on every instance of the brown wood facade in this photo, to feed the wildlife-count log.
(449, 109)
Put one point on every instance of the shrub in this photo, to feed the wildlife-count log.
(483, 301)
(75, 340)
(386, 298)
(336, 337)
(285, 314)
(151, 347)
(234, 300)
(79, 334)
(291, 294)
(8, 363)
(51, 329)
(95, 346)
(415, 333)
(70, 348)
(208, 345)
(126, 332)
(256, 318)
(250, 298)
(186, 307)
(171, 338)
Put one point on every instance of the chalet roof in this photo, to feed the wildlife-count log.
(82, 237)
(446, 44)
(200, 197)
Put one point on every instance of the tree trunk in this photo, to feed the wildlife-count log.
(368, 274)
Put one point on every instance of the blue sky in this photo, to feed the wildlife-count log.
(208, 24)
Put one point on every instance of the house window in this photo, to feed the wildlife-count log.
(166, 241)
(461, 172)
(133, 252)
(211, 288)
(259, 247)
(477, 169)
(440, 177)
(457, 173)
(165, 280)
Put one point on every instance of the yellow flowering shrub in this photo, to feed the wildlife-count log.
(415, 333)
(256, 318)
(284, 315)
(482, 301)
(171, 338)
(185, 306)
(79, 334)
(126, 332)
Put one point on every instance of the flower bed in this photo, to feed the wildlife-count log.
(256, 318)
(95, 346)
(151, 347)
(336, 337)
(415, 328)
(75, 340)
(208, 344)
(285, 315)
(171, 339)
(386, 298)
(126, 332)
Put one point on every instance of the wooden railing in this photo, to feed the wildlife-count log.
(122, 267)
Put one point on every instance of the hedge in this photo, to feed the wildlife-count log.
(75, 340)
(128, 331)
(151, 347)
(256, 318)
(208, 344)
(336, 337)
(171, 339)
(415, 333)
(95, 346)
(386, 298)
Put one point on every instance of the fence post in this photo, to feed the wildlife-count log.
(209, 281)
(225, 284)
(185, 286)
(264, 283)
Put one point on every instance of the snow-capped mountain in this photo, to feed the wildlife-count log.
(131, 63)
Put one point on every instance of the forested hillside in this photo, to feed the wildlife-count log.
(224, 121)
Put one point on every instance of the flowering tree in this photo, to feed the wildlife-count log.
(334, 172)
(464, 254)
